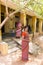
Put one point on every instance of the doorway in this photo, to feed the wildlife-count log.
(2, 18)
(37, 25)
(28, 23)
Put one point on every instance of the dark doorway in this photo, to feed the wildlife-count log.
(2, 18)
(37, 25)
(27, 23)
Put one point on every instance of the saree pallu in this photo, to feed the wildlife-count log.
(25, 48)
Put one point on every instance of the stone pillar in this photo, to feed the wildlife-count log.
(34, 21)
(6, 26)
(0, 23)
(23, 17)
(40, 25)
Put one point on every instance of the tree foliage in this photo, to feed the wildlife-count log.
(34, 5)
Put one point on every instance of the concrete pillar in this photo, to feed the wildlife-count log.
(40, 26)
(34, 21)
(23, 18)
(0, 22)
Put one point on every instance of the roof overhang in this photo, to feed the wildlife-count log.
(12, 5)
(32, 13)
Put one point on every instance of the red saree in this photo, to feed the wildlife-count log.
(25, 46)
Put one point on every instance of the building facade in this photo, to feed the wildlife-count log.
(26, 17)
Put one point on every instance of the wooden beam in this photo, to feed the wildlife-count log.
(9, 4)
(6, 8)
(5, 20)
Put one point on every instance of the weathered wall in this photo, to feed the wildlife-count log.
(10, 23)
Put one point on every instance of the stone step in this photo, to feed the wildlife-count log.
(13, 49)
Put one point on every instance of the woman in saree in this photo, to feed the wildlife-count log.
(25, 43)
(18, 30)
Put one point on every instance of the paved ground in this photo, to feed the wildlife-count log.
(33, 48)
(14, 58)
(39, 41)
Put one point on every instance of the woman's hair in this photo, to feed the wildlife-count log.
(17, 23)
(25, 28)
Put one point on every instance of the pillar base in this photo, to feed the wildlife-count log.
(3, 48)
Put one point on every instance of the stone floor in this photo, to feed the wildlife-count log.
(39, 41)
(14, 58)
(12, 45)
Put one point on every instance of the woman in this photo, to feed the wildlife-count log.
(18, 30)
(25, 41)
